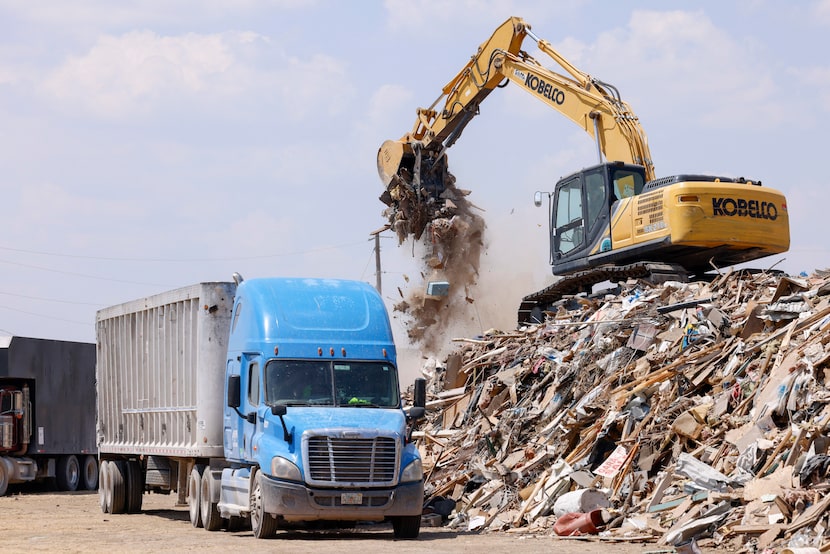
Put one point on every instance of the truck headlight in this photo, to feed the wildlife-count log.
(283, 469)
(413, 472)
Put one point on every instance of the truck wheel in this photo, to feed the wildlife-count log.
(194, 497)
(263, 524)
(104, 490)
(211, 519)
(89, 473)
(68, 473)
(406, 527)
(116, 470)
(4, 476)
(135, 487)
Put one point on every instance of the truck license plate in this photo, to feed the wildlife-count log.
(351, 498)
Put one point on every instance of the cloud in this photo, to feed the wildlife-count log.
(141, 72)
(8, 75)
(435, 18)
(105, 12)
(817, 79)
(821, 10)
(127, 75)
(681, 63)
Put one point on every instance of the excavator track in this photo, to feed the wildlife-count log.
(533, 306)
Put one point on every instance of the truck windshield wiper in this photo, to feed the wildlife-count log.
(320, 402)
(292, 403)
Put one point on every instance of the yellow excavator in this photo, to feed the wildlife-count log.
(612, 221)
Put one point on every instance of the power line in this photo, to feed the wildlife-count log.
(86, 275)
(51, 299)
(180, 260)
(50, 316)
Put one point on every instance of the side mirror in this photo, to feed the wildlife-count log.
(416, 412)
(280, 410)
(419, 396)
(234, 394)
(537, 199)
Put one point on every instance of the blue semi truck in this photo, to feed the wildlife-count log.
(271, 401)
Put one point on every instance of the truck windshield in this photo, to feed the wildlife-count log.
(331, 383)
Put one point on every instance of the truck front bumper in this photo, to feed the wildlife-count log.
(296, 502)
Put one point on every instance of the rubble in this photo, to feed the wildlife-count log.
(695, 413)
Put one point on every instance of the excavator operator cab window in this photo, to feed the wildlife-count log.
(627, 183)
(595, 195)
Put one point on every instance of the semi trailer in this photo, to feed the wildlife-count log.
(270, 401)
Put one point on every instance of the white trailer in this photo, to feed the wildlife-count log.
(160, 370)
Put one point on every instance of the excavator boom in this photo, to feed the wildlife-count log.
(595, 106)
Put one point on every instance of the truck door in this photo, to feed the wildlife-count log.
(232, 424)
(250, 402)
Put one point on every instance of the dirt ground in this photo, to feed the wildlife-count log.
(33, 521)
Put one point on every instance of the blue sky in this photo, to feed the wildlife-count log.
(149, 145)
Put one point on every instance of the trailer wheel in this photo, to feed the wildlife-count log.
(194, 497)
(135, 487)
(5, 472)
(263, 524)
(211, 520)
(68, 473)
(104, 489)
(406, 527)
(89, 473)
(116, 471)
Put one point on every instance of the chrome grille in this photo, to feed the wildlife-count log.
(352, 460)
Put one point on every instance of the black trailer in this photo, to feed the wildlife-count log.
(47, 413)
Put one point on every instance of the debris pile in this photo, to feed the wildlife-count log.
(679, 413)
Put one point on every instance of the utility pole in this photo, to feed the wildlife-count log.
(376, 234)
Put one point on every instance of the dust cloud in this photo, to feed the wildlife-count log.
(451, 244)
(450, 253)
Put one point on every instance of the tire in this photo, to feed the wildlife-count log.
(194, 496)
(89, 473)
(104, 489)
(116, 472)
(406, 527)
(68, 473)
(5, 472)
(211, 520)
(135, 487)
(263, 524)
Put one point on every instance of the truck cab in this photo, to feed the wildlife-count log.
(314, 427)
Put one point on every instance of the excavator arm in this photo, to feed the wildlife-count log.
(593, 105)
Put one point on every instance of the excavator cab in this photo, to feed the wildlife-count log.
(581, 209)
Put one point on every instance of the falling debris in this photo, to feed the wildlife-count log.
(452, 236)
(680, 414)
